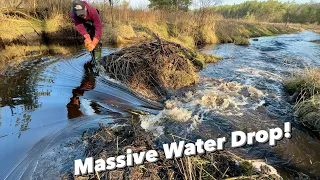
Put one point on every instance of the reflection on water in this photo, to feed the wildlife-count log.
(47, 91)
(88, 83)
(39, 98)
(19, 96)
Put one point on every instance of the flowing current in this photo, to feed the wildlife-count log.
(47, 104)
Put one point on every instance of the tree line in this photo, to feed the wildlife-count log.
(272, 11)
(267, 11)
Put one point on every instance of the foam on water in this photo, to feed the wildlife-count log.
(211, 97)
(85, 107)
(259, 73)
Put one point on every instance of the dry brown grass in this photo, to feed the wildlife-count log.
(238, 31)
(123, 26)
(187, 28)
(23, 37)
(193, 28)
(38, 8)
(308, 112)
(313, 27)
(11, 28)
(306, 83)
(306, 88)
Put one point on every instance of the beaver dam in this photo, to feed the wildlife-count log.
(155, 69)
(108, 142)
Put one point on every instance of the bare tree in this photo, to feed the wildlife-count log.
(112, 16)
(204, 6)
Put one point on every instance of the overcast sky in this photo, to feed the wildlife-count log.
(144, 3)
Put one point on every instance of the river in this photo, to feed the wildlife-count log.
(47, 104)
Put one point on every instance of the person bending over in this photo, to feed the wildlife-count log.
(87, 21)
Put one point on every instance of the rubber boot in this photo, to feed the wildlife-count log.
(96, 57)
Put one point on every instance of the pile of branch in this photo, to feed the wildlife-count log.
(111, 142)
(153, 67)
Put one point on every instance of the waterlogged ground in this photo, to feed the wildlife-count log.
(47, 104)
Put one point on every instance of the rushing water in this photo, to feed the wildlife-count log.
(245, 92)
(47, 104)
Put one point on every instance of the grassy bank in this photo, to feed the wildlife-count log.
(127, 26)
(238, 31)
(305, 89)
(24, 36)
(191, 29)
(221, 31)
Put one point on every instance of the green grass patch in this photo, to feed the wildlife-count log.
(316, 41)
(306, 83)
(238, 32)
(308, 112)
(239, 40)
(306, 89)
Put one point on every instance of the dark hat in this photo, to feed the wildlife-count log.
(78, 7)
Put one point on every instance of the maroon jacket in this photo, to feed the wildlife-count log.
(93, 15)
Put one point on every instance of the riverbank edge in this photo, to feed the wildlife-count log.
(58, 39)
(304, 90)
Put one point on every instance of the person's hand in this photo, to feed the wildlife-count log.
(93, 44)
(87, 40)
